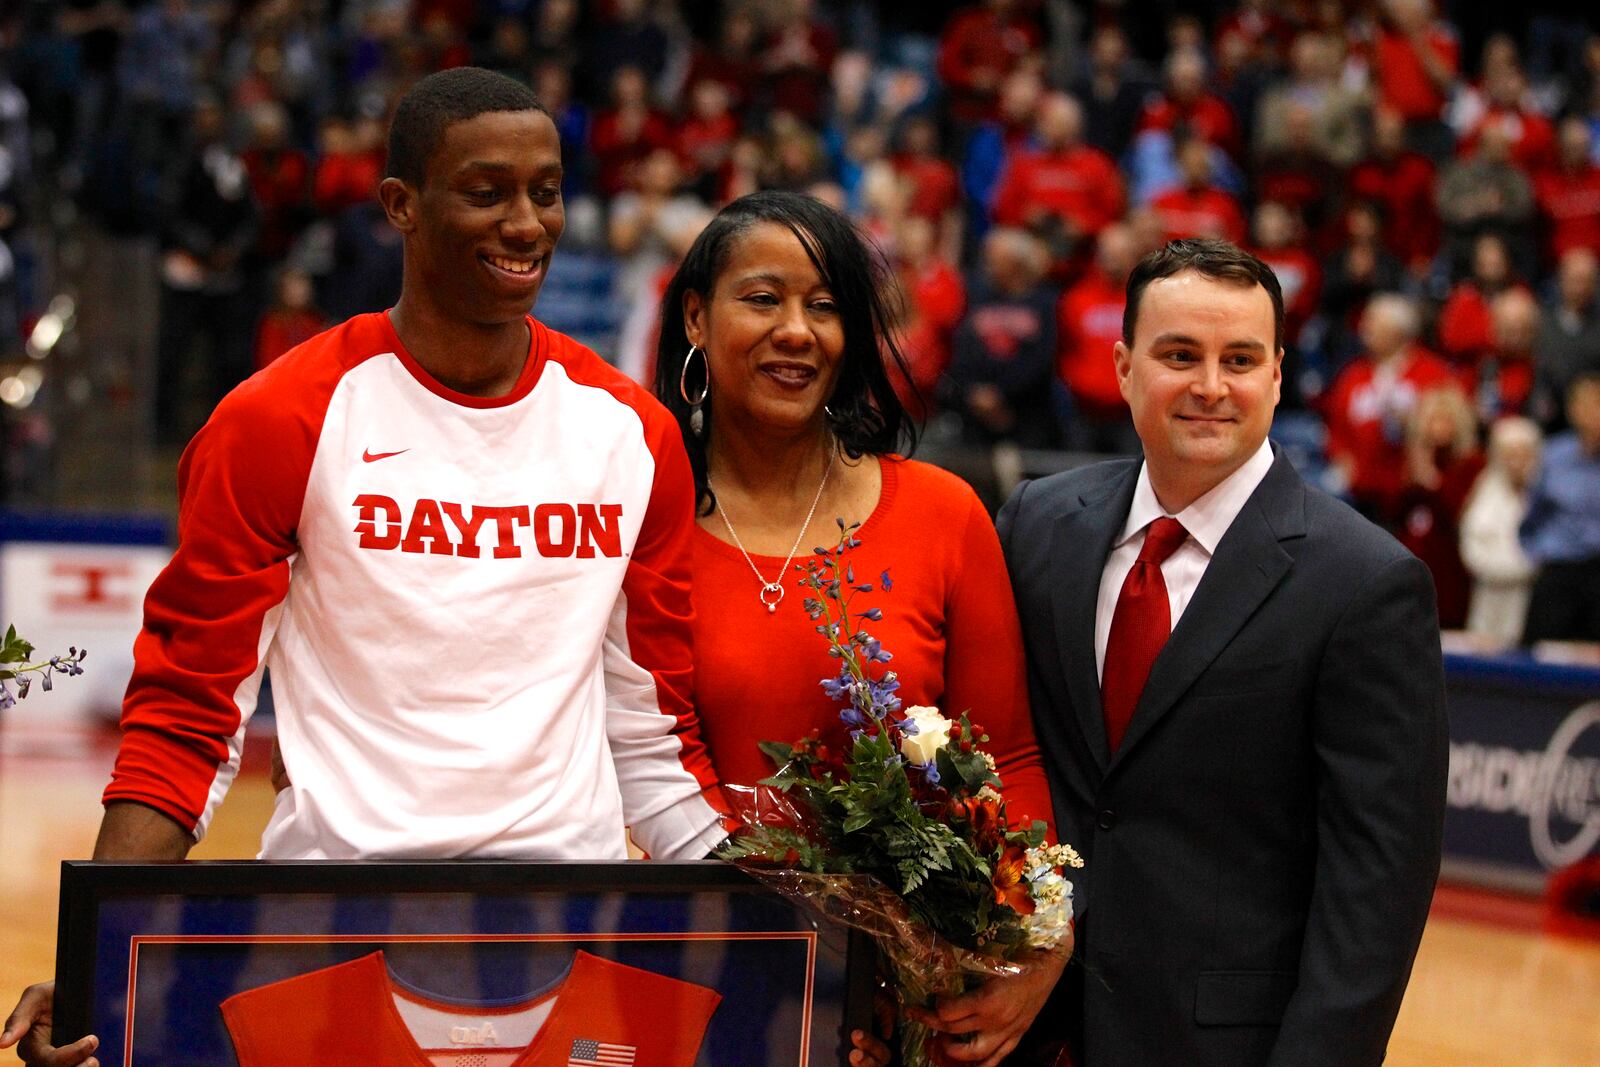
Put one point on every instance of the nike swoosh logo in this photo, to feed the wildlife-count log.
(373, 457)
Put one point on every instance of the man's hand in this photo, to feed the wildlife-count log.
(30, 1023)
(986, 1024)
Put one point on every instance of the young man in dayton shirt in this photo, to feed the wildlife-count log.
(449, 483)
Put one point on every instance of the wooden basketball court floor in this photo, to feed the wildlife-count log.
(1489, 990)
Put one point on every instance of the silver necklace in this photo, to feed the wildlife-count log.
(774, 588)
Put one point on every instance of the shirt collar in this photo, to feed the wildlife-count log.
(1209, 517)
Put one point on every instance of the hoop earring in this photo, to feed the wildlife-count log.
(683, 377)
(697, 418)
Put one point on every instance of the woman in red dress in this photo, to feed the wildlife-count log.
(775, 356)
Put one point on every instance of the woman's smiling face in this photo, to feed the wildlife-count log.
(771, 331)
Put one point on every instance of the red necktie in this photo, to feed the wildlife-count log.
(1139, 627)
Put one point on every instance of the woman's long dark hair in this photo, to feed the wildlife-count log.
(866, 414)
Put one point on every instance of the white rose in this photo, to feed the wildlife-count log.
(933, 733)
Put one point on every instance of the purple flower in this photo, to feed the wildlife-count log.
(6, 699)
(839, 687)
(874, 614)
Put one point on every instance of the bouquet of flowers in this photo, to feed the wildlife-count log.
(14, 667)
(903, 832)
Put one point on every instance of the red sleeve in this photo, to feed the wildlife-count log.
(650, 720)
(658, 580)
(984, 669)
(210, 614)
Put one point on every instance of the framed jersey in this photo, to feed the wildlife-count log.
(446, 964)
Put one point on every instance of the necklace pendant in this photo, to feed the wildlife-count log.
(773, 590)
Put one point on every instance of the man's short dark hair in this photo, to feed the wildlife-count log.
(440, 99)
(1211, 257)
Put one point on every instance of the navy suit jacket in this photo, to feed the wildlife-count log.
(1261, 850)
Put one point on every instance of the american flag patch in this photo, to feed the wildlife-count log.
(587, 1053)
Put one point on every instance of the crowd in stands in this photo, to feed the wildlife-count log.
(1433, 215)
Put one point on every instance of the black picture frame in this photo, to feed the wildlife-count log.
(209, 930)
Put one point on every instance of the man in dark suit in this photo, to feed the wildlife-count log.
(1242, 712)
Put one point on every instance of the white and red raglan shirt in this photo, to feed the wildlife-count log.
(476, 612)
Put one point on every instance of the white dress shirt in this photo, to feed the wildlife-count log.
(1206, 520)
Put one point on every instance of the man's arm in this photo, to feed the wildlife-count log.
(210, 615)
(133, 833)
(1381, 742)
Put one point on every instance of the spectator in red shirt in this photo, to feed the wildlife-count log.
(1531, 136)
(1416, 60)
(1188, 109)
(705, 137)
(349, 169)
(1088, 326)
(1465, 336)
(982, 44)
(1278, 244)
(1371, 400)
(627, 132)
(1197, 208)
(1061, 189)
(734, 60)
(935, 185)
(1297, 171)
(1569, 193)
(1402, 181)
(1442, 465)
(935, 300)
(292, 318)
(796, 59)
(280, 175)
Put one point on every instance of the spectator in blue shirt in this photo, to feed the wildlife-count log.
(1562, 530)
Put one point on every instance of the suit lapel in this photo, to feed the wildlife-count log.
(1248, 564)
(1080, 544)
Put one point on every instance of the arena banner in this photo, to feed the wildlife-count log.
(1524, 792)
(73, 580)
(216, 964)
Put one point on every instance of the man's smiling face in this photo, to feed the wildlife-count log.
(1202, 377)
